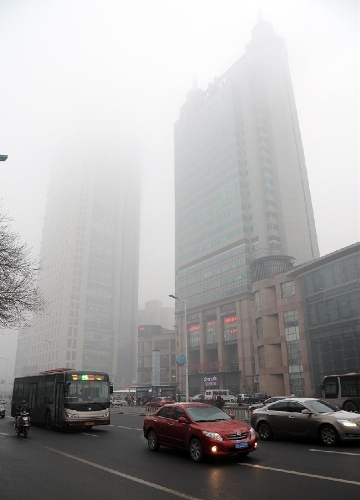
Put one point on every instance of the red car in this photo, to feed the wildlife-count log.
(200, 428)
(158, 403)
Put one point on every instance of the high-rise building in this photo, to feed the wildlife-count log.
(89, 276)
(155, 313)
(242, 193)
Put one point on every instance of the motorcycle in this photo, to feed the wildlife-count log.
(24, 424)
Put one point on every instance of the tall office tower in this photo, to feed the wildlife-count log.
(241, 185)
(90, 254)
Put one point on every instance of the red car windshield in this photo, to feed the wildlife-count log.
(207, 414)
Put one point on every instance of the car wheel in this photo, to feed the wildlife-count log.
(48, 421)
(328, 435)
(196, 451)
(349, 406)
(152, 441)
(264, 431)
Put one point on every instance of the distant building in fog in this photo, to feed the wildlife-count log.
(155, 338)
(241, 193)
(90, 254)
(155, 313)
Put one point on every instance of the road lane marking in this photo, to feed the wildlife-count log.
(4, 434)
(296, 473)
(336, 452)
(88, 434)
(125, 476)
(129, 428)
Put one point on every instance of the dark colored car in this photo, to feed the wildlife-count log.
(2, 411)
(158, 402)
(200, 428)
(306, 417)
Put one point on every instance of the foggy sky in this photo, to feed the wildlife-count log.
(74, 67)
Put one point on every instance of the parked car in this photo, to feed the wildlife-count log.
(198, 398)
(2, 411)
(306, 417)
(200, 428)
(118, 402)
(242, 399)
(257, 397)
(266, 402)
(158, 402)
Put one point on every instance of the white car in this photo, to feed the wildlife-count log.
(198, 397)
(117, 402)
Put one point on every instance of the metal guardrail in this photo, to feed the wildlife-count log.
(240, 413)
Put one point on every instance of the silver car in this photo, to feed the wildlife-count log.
(306, 417)
(266, 402)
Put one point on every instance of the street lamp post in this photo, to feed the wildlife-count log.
(186, 348)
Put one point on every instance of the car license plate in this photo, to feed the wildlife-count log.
(89, 423)
(241, 445)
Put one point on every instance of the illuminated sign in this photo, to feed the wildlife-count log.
(194, 328)
(230, 319)
(87, 377)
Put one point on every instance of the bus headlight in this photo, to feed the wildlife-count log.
(71, 415)
(105, 415)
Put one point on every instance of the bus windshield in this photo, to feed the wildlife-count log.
(88, 391)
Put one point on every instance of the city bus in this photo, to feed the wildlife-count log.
(65, 398)
(343, 390)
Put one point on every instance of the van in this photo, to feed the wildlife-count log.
(224, 393)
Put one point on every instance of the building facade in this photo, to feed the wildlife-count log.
(307, 321)
(157, 351)
(89, 276)
(241, 193)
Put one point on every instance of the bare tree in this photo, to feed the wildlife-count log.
(20, 296)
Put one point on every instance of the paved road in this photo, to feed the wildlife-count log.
(114, 462)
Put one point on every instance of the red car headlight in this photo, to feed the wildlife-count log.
(212, 435)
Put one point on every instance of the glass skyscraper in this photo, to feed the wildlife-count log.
(242, 193)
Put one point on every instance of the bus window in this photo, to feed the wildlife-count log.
(331, 387)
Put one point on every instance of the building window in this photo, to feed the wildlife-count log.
(230, 328)
(318, 282)
(287, 289)
(291, 325)
(210, 332)
(259, 329)
(261, 356)
(194, 335)
(257, 301)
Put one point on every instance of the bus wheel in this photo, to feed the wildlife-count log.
(349, 406)
(48, 421)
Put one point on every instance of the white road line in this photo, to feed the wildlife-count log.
(296, 473)
(4, 434)
(125, 476)
(88, 434)
(336, 452)
(129, 428)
